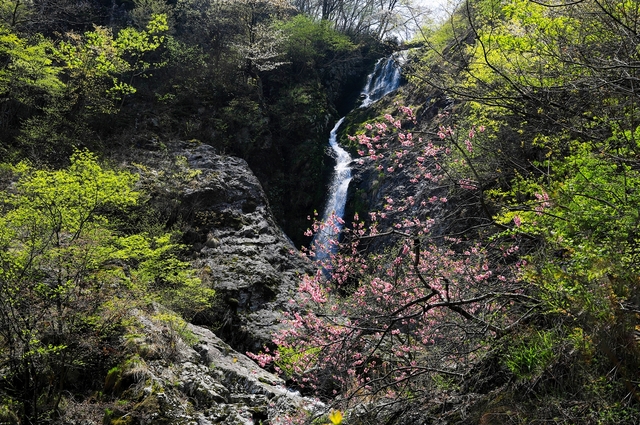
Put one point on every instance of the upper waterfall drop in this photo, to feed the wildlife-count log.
(384, 79)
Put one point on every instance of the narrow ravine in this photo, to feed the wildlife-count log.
(384, 79)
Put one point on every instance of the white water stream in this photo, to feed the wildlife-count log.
(384, 79)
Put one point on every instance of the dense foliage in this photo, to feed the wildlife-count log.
(69, 279)
(491, 275)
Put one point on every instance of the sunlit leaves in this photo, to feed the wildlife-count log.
(522, 48)
(71, 197)
(68, 278)
(99, 57)
(27, 70)
(587, 211)
(13, 12)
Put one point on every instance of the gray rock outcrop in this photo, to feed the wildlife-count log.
(186, 375)
(173, 372)
(235, 242)
(254, 267)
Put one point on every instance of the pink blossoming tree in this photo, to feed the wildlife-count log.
(376, 328)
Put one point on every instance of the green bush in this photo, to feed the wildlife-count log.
(69, 278)
(531, 354)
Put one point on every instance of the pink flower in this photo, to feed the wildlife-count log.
(468, 145)
(467, 184)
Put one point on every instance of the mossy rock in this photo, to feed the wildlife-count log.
(133, 370)
(112, 379)
(117, 417)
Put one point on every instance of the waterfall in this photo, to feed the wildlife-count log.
(384, 79)
(334, 210)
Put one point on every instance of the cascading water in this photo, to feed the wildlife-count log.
(384, 79)
(325, 239)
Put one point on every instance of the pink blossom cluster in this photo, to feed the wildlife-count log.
(397, 315)
(374, 323)
(543, 202)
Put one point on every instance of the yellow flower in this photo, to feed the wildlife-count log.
(335, 417)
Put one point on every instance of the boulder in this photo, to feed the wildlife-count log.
(202, 381)
(234, 239)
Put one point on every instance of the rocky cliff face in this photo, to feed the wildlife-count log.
(254, 266)
(234, 240)
(189, 377)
